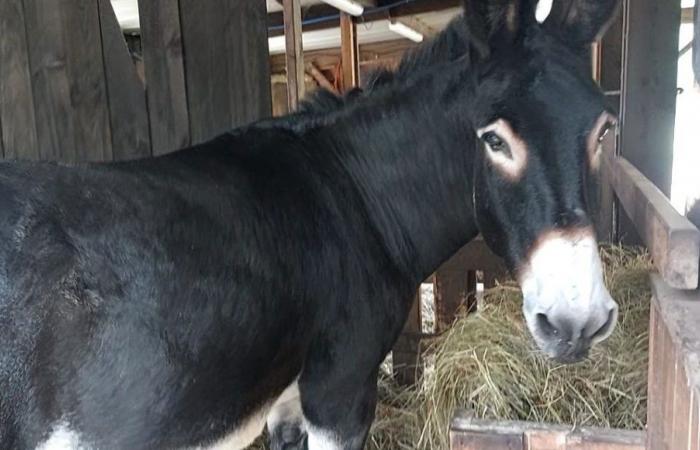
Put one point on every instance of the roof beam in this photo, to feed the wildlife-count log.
(275, 21)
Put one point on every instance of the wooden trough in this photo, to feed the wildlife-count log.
(673, 421)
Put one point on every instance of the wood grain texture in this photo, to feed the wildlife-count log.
(674, 243)
(225, 54)
(127, 97)
(17, 123)
(469, 433)
(161, 39)
(70, 96)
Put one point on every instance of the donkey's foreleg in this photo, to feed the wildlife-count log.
(285, 423)
(338, 411)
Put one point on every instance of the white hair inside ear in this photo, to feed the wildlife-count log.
(544, 7)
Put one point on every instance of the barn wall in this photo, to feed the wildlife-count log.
(69, 90)
(207, 68)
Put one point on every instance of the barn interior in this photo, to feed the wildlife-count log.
(124, 79)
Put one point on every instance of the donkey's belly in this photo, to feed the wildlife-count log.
(63, 437)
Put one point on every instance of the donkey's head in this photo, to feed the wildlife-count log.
(540, 120)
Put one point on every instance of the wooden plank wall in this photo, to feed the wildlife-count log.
(161, 40)
(673, 415)
(70, 91)
(226, 64)
(17, 123)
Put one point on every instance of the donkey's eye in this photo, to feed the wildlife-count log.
(494, 142)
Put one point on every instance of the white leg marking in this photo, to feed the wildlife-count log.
(62, 438)
(287, 408)
(321, 439)
(244, 434)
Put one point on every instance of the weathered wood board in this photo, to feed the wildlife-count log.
(674, 243)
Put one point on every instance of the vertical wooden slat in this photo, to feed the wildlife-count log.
(349, 51)
(649, 91)
(217, 55)
(294, 54)
(165, 75)
(694, 433)
(670, 359)
(249, 83)
(88, 82)
(50, 82)
(681, 410)
(17, 123)
(654, 383)
(127, 97)
(406, 353)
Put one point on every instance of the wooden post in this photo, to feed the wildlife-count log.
(294, 52)
(349, 51)
(649, 91)
(406, 353)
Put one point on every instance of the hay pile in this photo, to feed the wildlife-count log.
(488, 364)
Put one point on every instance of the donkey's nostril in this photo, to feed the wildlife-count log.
(605, 329)
(546, 326)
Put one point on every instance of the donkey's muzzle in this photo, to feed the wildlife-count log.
(566, 304)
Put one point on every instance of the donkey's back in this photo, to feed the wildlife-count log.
(141, 303)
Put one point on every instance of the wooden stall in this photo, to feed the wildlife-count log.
(69, 89)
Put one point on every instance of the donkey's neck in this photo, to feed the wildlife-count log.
(409, 153)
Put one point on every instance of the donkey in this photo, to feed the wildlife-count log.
(184, 301)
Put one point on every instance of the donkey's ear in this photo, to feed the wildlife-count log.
(496, 23)
(581, 22)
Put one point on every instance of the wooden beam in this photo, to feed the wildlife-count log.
(294, 52)
(127, 98)
(316, 12)
(319, 77)
(349, 51)
(687, 15)
(161, 39)
(673, 242)
(17, 122)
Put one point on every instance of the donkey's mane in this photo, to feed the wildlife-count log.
(447, 46)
